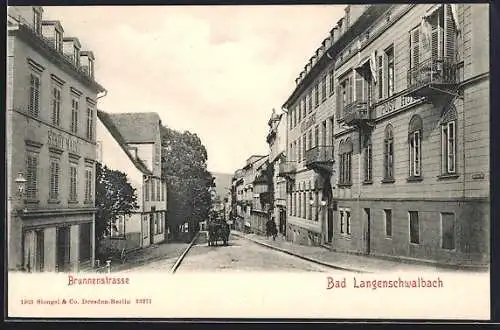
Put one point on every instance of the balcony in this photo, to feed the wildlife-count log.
(357, 113)
(320, 158)
(287, 169)
(432, 77)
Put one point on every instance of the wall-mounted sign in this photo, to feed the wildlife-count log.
(61, 141)
(396, 104)
(308, 123)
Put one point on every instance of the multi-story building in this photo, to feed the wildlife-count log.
(276, 138)
(237, 202)
(131, 143)
(51, 150)
(413, 135)
(410, 106)
(261, 211)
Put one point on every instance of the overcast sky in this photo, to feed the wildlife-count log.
(213, 70)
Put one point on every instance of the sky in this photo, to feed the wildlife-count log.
(217, 71)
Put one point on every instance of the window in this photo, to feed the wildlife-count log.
(390, 71)
(332, 135)
(295, 116)
(415, 146)
(345, 221)
(146, 189)
(74, 116)
(158, 190)
(300, 111)
(301, 208)
(323, 134)
(345, 94)
(156, 226)
(310, 101)
(316, 136)
(332, 79)
(323, 88)
(145, 227)
(309, 206)
(34, 105)
(31, 176)
(299, 145)
(388, 222)
(449, 142)
(163, 191)
(295, 151)
(56, 106)
(368, 158)
(304, 146)
(85, 242)
(58, 40)
(380, 78)
(76, 55)
(72, 183)
(448, 231)
(152, 186)
(414, 227)
(118, 228)
(345, 165)
(316, 203)
(295, 204)
(90, 124)
(88, 185)
(54, 180)
(37, 21)
(316, 94)
(388, 154)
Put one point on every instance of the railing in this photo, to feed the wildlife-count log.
(356, 111)
(432, 71)
(319, 154)
(288, 167)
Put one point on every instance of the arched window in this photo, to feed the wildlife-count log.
(449, 141)
(388, 154)
(415, 146)
(345, 150)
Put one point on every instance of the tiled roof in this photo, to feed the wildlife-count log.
(108, 121)
(137, 127)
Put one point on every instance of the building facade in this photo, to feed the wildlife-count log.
(130, 143)
(51, 120)
(400, 168)
(276, 139)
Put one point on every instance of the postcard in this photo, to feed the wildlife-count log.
(267, 161)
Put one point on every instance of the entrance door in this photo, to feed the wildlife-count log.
(39, 250)
(367, 231)
(63, 249)
(330, 225)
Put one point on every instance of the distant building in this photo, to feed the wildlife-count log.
(51, 119)
(130, 143)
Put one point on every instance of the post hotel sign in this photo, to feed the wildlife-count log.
(396, 104)
(60, 141)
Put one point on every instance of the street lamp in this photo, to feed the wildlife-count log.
(21, 184)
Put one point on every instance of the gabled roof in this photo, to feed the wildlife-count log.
(139, 127)
(108, 122)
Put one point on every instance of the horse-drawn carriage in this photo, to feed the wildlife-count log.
(218, 231)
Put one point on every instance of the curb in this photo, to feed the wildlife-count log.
(179, 260)
(303, 257)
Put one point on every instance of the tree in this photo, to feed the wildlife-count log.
(184, 165)
(114, 196)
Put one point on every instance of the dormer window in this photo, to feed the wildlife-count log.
(37, 21)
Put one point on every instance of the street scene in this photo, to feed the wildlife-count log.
(193, 139)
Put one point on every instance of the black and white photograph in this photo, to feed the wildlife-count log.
(286, 154)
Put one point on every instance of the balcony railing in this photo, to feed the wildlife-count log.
(431, 72)
(287, 168)
(356, 113)
(319, 155)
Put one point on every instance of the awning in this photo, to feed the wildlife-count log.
(370, 60)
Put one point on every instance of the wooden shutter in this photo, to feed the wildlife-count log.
(414, 47)
(450, 35)
(338, 110)
(359, 86)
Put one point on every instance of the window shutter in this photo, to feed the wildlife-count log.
(450, 34)
(359, 86)
(435, 42)
(415, 47)
(338, 110)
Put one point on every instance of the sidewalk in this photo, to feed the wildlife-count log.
(343, 261)
(162, 251)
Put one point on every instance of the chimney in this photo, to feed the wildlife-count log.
(71, 49)
(53, 32)
(87, 62)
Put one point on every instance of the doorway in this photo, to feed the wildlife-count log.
(63, 249)
(329, 225)
(367, 231)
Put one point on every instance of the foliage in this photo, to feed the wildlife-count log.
(114, 196)
(184, 165)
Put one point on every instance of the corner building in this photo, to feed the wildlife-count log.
(51, 120)
(412, 135)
